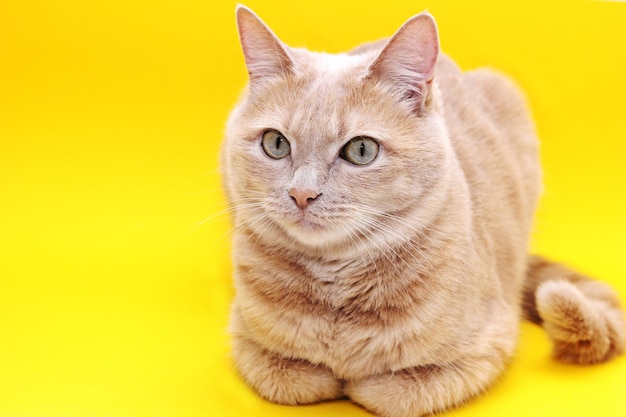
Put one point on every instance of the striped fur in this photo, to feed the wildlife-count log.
(400, 284)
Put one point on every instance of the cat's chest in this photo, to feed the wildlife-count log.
(344, 329)
(338, 286)
(333, 311)
(343, 314)
(330, 272)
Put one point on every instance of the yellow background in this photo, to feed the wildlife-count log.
(114, 267)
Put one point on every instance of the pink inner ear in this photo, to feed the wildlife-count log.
(408, 60)
(264, 53)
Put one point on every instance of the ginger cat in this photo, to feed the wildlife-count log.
(382, 203)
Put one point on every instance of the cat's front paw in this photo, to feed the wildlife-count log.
(283, 380)
(422, 390)
(398, 394)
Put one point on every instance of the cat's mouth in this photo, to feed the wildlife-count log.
(304, 227)
(307, 228)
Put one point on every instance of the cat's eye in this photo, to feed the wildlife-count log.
(360, 150)
(275, 145)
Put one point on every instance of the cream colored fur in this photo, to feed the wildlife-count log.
(400, 282)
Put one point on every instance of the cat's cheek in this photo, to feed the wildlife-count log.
(267, 174)
(378, 185)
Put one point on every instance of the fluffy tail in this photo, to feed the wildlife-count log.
(582, 317)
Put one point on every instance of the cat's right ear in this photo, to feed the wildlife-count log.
(265, 55)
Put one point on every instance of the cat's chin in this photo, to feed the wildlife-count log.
(310, 233)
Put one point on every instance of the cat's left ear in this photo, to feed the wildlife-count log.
(407, 62)
(266, 56)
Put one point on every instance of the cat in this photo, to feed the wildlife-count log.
(382, 202)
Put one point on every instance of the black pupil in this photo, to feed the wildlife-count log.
(279, 141)
(362, 149)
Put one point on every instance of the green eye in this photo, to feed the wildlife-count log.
(275, 145)
(360, 150)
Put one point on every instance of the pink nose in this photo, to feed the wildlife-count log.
(302, 198)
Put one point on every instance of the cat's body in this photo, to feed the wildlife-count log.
(397, 281)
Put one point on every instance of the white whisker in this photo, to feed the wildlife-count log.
(352, 234)
(399, 240)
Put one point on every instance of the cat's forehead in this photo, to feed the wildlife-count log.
(328, 64)
(323, 103)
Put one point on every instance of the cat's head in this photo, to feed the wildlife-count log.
(327, 150)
